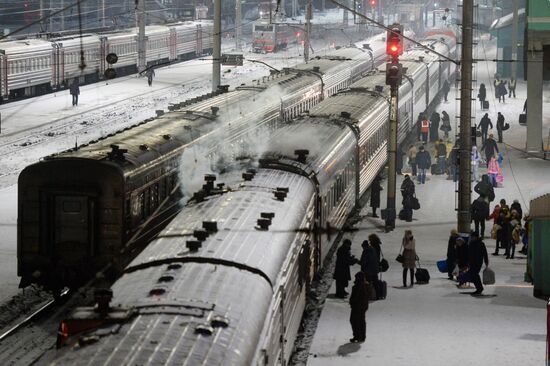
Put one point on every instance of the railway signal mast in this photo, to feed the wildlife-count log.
(394, 75)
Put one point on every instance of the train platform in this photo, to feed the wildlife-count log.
(436, 323)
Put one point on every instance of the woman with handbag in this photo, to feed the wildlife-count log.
(409, 257)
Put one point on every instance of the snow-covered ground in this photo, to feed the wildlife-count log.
(437, 324)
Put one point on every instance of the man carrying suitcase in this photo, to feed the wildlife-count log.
(477, 254)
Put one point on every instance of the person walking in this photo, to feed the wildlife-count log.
(477, 255)
(512, 88)
(503, 232)
(482, 94)
(370, 263)
(492, 170)
(375, 189)
(491, 148)
(476, 158)
(399, 160)
(517, 206)
(407, 191)
(441, 150)
(359, 304)
(445, 124)
(74, 89)
(453, 163)
(480, 213)
(484, 125)
(424, 162)
(434, 126)
(502, 91)
(342, 275)
(451, 253)
(500, 126)
(409, 256)
(425, 129)
(446, 89)
(150, 74)
(485, 189)
(411, 154)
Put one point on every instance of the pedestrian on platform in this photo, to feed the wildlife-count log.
(407, 191)
(434, 126)
(425, 129)
(485, 189)
(409, 256)
(441, 150)
(445, 124)
(375, 189)
(512, 88)
(476, 159)
(411, 154)
(503, 232)
(517, 206)
(376, 243)
(484, 125)
(477, 254)
(491, 148)
(399, 160)
(500, 126)
(150, 74)
(451, 253)
(492, 170)
(482, 94)
(495, 214)
(370, 263)
(454, 170)
(74, 89)
(502, 91)
(342, 274)
(446, 89)
(424, 162)
(480, 213)
(359, 303)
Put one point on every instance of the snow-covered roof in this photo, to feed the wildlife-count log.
(507, 20)
(540, 192)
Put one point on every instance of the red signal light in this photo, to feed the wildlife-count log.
(373, 2)
(298, 34)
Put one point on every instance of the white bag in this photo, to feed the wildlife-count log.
(488, 276)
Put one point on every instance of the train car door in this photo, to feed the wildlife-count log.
(73, 223)
(4, 76)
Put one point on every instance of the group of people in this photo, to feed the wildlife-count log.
(366, 278)
(428, 129)
(485, 124)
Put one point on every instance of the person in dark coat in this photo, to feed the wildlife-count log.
(484, 125)
(342, 275)
(451, 253)
(445, 124)
(482, 94)
(461, 254)
(150, 74)
(453, 163)
(477, 254)
(446, 89)
(480, 213)
(407, 191)
(370, 263)
(517, 206)
(504, 233)
(376, 243)
(434, 126)
(409, 256)
(375, 189)
(491, 148)
(500, 126)
(485, 189)
(399, 159)
(501, 90)
(424, 162)
(441, 150)
(359, 303)
(75, 91)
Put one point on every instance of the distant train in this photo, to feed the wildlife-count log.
(270, 37)
(31, 67)
(225, 282)
(79, 209)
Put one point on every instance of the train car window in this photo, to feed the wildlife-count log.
(72, 206)
(141, 200)
(154, 196)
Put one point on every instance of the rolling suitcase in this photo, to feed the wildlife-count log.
(381, 288)
(485, 104)
(434, 169)
(422, 275)
(522, 119)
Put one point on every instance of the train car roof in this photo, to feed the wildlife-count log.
(24, 45)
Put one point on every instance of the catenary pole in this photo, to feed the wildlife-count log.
(464, 182)
(238, 25)
(515, 41)
(307, 32)
(216, 66)
(140, 14)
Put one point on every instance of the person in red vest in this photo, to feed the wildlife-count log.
(425, 129)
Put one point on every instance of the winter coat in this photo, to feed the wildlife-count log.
(359, 298)
(512, 84)
(480, 209)
(495, 214)
(370, 265)
(491, 148)
(502, 88)
(409, 253)
(462, 256)
(516, 206)
(451, 249)
(475, 157)
(477, 254)
(434, 125)
(493, 166)
(500, 122)
(485, 188)
(445, 123)
(441, 150)
(411, 154)
(375, 194)
(423, 160)
(407, 188)
(344, 259)
(74, 89)
(485, 123)
(446, 87)
(482, 95)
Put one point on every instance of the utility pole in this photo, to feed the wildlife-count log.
(238, 25)
(140, 14)
(345, 20)
(103, 13)
(62, 15)
(515, 40)
(217, 52)
(307, 33)
(49, 14)
(465, 148)
(394, 75)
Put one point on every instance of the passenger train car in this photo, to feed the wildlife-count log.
(225, 282)
(80, 208)
(30, 67)
(270, 37)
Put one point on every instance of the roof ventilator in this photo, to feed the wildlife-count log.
(143, 147)
(379, 88)
(193, 245)
(345, 115)
(214, 111)
(263, 224)
(220, 186)
(204, 329)
(267, 215)
(159, 112)
(280, 193)
(210, 226)
(167, 136)
(301, 155)
(117, 153)
(316, 69)
(223, 88)
(102, 297)
(201, 234)
(209, 179)
(219, 321)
